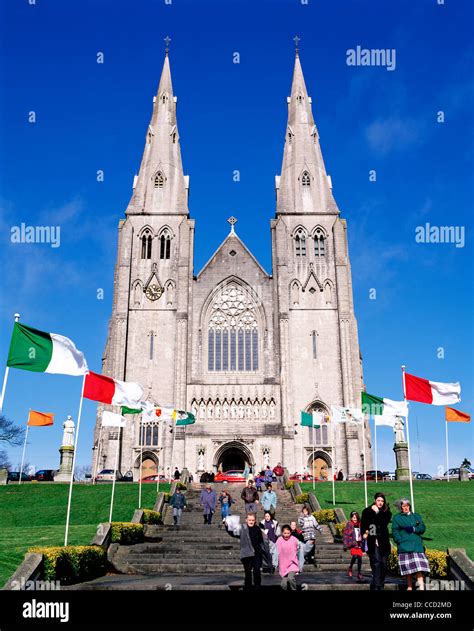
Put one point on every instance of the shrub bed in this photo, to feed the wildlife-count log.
(302, 499)
(151, 516)
(72, 564)
(127, 533)
(325, 516)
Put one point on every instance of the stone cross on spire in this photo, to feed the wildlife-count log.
(167, 41)
(297, 40)
(232, 220)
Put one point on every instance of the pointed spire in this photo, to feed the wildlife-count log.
(161, 186)
(303, 186)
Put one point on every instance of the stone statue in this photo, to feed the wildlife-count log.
(398, 427)
(68, 436)
(200, 459)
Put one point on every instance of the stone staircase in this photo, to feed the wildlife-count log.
(195, 549)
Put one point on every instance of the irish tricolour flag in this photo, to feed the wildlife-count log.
(384, 411)
(434, 392)
(38, 351)
(107, 390)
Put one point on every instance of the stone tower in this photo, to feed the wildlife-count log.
(320, 359)
(245, 350)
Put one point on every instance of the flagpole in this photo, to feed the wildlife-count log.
(140, 433)
(7, 371)
(375, 446)
(99, 444)
(115, 476)
(314, 481)
(161, 431)
(333, 459)
(74, 461)
(365, 464)
(408, 444)
(24, 447)
(447, 457)
(172, 449)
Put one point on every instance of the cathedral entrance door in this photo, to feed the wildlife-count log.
(232, 456)
(149, 467)
(320, 469)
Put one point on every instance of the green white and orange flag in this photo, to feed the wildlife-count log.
(39, 419)
(31, 349)
(456, 416)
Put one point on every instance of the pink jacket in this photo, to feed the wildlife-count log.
(287, 555)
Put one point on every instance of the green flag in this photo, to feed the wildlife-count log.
(184, 418)
(311, 419)
(126, 410)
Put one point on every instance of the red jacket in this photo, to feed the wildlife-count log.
(278, 471)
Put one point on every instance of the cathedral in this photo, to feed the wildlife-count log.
(243, 350)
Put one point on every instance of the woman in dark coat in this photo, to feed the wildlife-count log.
(374, 526)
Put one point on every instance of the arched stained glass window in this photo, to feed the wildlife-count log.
(233, 337)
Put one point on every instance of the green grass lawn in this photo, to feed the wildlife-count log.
(446, 507)
(35, 515)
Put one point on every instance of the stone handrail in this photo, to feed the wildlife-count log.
(31, 569)
(461, 567)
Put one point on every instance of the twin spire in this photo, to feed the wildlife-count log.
(162, 188)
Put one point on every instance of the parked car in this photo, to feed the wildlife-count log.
(14, 476)
(371, 475)
(154, 478)
(454, 473)
(127, 477)
(45, 475)
(229, 476)
(297, 477)
(107, 475)
(422, 476)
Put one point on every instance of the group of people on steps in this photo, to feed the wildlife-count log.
(269, 545)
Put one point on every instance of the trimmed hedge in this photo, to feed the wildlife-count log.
(151, 516)
(325, 516)
(127, 533)
(72, 564)
(289, 485)
(340, 530)
(438, 560)
(302, 499)
(181, 486)
(166, 497)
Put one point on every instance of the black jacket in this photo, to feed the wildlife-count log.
(376, 523)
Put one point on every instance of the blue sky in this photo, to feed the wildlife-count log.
(92, 117)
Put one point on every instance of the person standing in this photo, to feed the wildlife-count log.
(178, 502)
(269, 500)
(208, 499)
(407, 528)
(309, 526)
(268, 475)
(177, 474)
(279, 473)
(288, 564)
(250, 496)
(353, 541)
(340, 476)
(298, 534)
(252, 548)
(225, 502)
(246, 471)
(271, 528)
(374, 525)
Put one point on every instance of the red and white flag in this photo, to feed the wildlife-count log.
(112, 391)
(433, 392)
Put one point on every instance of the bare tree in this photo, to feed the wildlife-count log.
(26, 467)
(4, 462)
(9, 432)
(82, 471)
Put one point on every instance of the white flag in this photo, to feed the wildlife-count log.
(109, 419)
(341, 414)
(386, 420)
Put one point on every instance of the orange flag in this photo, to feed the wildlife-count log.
(39, 419)
(457, 416)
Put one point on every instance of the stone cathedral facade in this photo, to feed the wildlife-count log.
(245, 350)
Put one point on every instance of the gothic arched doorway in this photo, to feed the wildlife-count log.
(149, 466)
(232, 456)
(320, 466)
